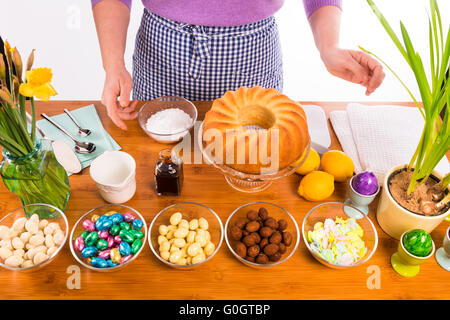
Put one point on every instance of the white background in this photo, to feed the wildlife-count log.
(64, 35)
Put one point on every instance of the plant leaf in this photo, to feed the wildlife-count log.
(388, 29)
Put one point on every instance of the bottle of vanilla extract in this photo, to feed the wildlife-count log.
(168, 174)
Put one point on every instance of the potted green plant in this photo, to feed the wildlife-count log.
(414, 195)
(29, 167)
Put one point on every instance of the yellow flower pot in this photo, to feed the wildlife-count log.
(395, 220)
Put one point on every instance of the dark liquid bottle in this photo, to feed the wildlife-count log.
(168, 174)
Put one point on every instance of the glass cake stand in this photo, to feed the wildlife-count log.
(247, 182)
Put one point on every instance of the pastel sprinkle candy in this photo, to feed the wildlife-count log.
(338, 241)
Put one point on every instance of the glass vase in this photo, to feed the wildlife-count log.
(37, 178)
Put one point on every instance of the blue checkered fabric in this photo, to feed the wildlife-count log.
(201, 62)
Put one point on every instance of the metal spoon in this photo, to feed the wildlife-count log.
(80, 147)
(63, 152)
(81, 132)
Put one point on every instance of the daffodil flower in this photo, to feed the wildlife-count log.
(38, 84)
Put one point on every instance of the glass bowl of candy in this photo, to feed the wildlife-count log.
(108, 237)
(262, 234)
(336, 239)
(32, 236)
(167, 119)
(185, 235)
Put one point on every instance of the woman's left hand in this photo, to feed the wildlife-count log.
(354, 66)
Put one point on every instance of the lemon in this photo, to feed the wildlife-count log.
(316, 186)
(338, 164)
(311, 163)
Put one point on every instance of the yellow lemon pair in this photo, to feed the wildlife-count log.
(319, 185)
(335, 162)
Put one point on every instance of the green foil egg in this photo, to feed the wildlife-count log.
(137, 234)
(418, 242)
(114, 230)
(136, 245)
(91, 238)
(124, 226)
(102, 244)
(126, 236)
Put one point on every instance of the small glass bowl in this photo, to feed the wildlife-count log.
(247, 182)
(333, 210)
(78, 229)
(275, 212)
(163, 103)
(26, 211)
(189, 211)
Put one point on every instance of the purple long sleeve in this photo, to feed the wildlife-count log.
(222, 12)
(127, 2)
(313, 5)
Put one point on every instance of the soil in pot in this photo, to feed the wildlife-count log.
(423, 200)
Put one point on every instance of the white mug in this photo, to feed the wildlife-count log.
(114, 172)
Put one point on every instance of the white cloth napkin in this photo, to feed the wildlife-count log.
(378, 138)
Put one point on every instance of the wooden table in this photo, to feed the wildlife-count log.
(224, 277)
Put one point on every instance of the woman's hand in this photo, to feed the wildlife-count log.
(118, 84)
(350, 65)
(354, 66)
(111, 20)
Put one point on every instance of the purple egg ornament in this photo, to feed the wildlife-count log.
(365, 183)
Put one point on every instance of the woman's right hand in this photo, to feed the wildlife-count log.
(116, 96)
(111, 20)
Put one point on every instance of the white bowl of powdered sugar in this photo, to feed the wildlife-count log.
(167, 119)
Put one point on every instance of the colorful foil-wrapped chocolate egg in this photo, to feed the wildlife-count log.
(365, 183)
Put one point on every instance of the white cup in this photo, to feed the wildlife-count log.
(114, 172)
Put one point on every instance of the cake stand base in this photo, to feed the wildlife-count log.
(248, 186)
(403, 269)
(443, 259)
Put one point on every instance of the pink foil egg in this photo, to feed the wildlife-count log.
(79, 244)
(104, 254)
(110, 241)
(125, 259)
(89, 225)
(117, 239)
(129, 217)
(103, 234)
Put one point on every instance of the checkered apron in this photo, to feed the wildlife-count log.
(201, 63)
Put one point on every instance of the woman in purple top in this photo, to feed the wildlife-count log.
(198, 49)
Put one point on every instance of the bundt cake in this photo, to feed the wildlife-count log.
(249, 121)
